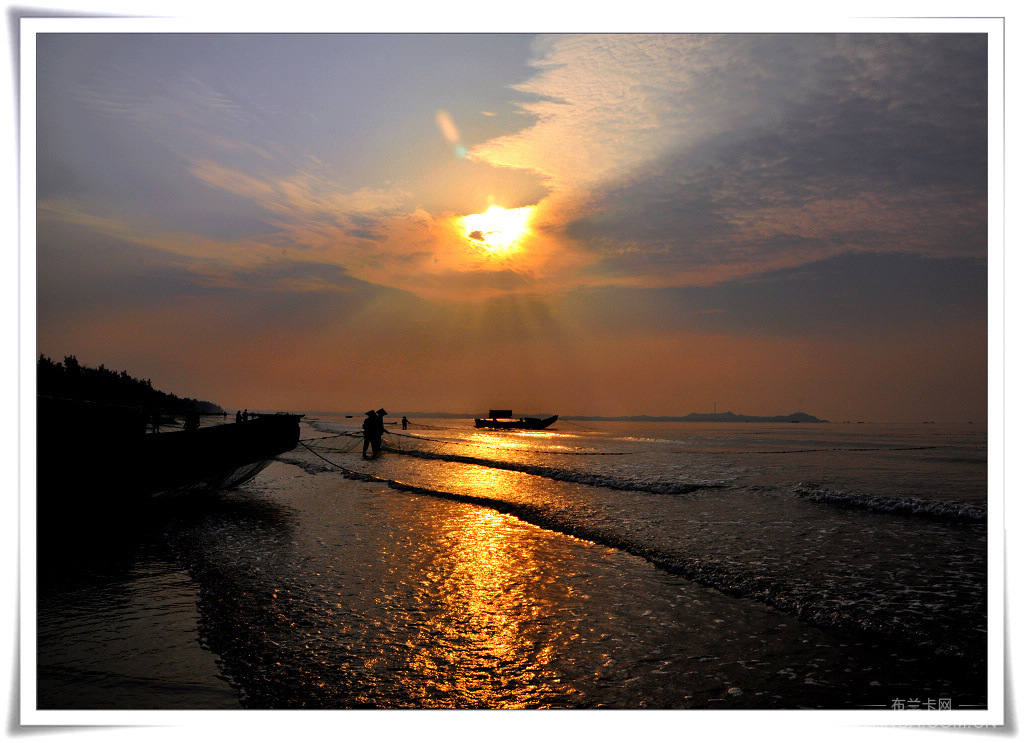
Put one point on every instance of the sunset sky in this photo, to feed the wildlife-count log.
(606, 224)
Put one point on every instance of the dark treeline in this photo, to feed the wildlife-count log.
(74, 381)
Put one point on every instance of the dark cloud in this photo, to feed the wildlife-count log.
(190, 185)
(899, 121)
(82, 273)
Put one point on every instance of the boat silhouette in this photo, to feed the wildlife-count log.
(503, 419)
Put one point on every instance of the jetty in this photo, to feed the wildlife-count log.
(95, 453)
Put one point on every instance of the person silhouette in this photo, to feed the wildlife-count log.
(378, 432)
(369, 430)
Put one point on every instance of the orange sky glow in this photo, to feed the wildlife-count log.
(607, 224)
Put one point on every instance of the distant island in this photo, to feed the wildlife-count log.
(705, 418)
(691, 418)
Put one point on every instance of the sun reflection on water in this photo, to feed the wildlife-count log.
(481, 638)
(513, 440)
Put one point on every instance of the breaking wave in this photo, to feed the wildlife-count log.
(638, 484)
(865, 611)
(954, 511)
(737, 541)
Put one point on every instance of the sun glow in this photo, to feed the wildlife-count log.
(498, 230)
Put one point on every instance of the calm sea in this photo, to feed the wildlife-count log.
(592, 565)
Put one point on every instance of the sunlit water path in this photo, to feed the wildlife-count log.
(598, 566)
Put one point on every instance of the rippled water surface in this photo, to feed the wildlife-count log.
(593, 565)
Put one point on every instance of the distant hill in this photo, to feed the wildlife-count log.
(691, 418)
(707, 418)
(735, 418)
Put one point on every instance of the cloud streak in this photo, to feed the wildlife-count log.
(700, 203)
(698, 158)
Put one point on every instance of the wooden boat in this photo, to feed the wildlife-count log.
(102, 453)
(502, 419)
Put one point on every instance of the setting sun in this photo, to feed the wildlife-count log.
(498, 229)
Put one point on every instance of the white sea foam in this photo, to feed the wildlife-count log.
(936, 509)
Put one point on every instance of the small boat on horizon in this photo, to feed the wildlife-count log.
(503, 420)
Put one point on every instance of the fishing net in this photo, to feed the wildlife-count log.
(342, 443)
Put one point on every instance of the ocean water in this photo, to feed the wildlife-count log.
(593, 565)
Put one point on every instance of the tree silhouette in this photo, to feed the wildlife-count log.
(72, 380)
